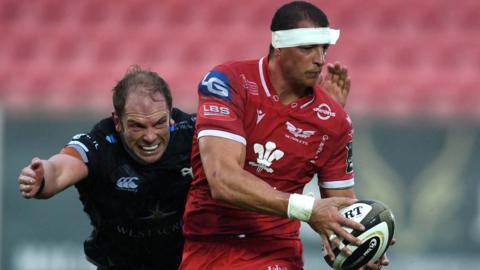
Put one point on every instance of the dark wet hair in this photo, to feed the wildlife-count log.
(289, 15)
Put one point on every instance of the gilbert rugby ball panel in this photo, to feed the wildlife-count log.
(379, 228)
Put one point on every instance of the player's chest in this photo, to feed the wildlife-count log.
(287, 140)
(123, 178)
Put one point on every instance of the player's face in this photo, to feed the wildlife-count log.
(302, 65)
(145, 125)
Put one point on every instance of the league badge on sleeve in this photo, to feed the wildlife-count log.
(216, 84)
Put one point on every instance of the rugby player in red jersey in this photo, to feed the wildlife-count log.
(264, 128)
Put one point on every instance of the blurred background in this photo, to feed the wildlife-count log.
(414, 102)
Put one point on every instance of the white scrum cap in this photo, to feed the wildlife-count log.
(304, 36)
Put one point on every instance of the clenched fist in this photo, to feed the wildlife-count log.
(31, 179)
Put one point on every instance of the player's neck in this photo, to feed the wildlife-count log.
(287, 91)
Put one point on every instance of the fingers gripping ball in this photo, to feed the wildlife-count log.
(379, 225)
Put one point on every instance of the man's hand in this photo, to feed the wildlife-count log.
(30, 179)
(327, 221)
(337, 82)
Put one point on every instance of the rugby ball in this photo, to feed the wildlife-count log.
(379, 225)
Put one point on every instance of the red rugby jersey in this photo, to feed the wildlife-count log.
(285, 146)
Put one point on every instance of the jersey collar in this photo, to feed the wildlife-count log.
(270, 91)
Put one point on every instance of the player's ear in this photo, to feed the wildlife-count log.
(116, 121)
(171, 126)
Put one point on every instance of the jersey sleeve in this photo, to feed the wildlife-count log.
(220, 106)
(338, 172)
(83, 146)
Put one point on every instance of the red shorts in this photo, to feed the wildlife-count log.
(243, 254)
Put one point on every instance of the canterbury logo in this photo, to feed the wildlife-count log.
(128, 183)
(266, 155)
(187, 171)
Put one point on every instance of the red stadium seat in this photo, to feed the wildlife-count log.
(401, 56)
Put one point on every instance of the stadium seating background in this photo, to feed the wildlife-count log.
(414, 67)
(407, 58)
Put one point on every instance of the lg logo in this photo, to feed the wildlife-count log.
(215, 83)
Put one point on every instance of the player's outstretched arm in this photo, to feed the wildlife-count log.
(223, 160)
(44, 178)
(337, 82)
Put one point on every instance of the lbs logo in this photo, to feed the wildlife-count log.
(217, 111)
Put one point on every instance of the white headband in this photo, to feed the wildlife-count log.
(304, 36)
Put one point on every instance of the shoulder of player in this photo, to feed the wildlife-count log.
(227, 80)
(234, 68)
(181, 133)
(181, 116)
(183, 121)
(104, 126)
(180, 143)
(102, 133)
(236, 64)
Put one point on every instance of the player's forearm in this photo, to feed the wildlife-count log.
(52, 177)
(222, 161)
(236, 186)
(61, 171)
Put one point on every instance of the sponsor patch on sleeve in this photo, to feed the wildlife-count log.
(216, 84)
(85, 141)
(216, 111)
